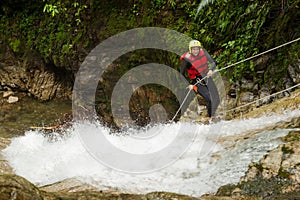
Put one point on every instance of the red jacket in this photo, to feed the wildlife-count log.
(199, 63)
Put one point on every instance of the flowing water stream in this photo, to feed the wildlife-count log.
(212, 159)
(18, 117)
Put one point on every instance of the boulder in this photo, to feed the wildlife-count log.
(18, 188)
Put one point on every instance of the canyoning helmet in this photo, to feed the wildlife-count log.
(194, 43)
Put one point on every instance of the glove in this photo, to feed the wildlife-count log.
(191, 87)
(209, 73)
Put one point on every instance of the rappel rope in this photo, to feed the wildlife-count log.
(237, 64)
(271, 95)
(257, 55)
(186, 98)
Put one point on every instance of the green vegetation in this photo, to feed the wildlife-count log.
(62, 33)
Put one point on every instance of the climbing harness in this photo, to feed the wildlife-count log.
(200, 81)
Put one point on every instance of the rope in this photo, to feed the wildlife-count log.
(237, 64)
(258, 55)
(274, 94)
(181, 105)
(186, 98)
(287, 43)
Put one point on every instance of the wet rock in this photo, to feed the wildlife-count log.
(246, 97)
(294, 75)
(237, 193)
(261, 63)
(279, 169)
(67, 185)
(255, 89)
(167, 195)
(12, 99)
(42, 84)
(4, 165)
(16, 187)
(271, 164)
(232, 92)
(247, 84)
(287, 82)
(264, 96)
(277, 106)
(275, 176)
(7, 93)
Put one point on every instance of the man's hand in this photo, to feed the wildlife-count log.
(191, 87)
(209, 73)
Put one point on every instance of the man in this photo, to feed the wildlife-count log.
(199, 66)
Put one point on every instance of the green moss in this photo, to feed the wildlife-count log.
(292, 136)
(265, 188)
(287, 150)
(284, 174)
(226, 190)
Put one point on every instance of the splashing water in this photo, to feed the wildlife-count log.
(197, 171)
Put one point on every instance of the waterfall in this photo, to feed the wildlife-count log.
(216, 155)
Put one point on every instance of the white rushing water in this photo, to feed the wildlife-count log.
(202, 168)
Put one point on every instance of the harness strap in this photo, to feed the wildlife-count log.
(201, 81)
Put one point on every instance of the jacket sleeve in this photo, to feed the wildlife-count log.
(210, 60)
(183, 66)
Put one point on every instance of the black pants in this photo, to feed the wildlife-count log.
(208, 90)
